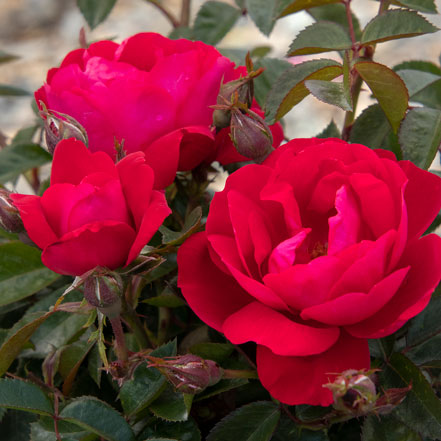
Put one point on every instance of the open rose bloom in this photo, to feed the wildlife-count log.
(152, 93)
(311, 254)
(94, 213)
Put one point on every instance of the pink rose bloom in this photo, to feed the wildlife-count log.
(152, 92)
(312, 253)
(94, 213)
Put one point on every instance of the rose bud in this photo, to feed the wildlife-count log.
(10, 219)
(103, 291)
(353, 392)
(61, 126)
(188, 373)
(251, 135)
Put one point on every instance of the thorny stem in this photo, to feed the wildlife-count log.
(185, 13)
(350, 115)
(57, 433)
(120, 343)
(174, 22)
(350, 22)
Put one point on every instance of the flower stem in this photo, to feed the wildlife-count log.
(185, 13)
(168, 15)
(350, 22)
(120, 342)
(136, 326)
(232, 373)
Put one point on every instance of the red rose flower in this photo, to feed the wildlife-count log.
(311, 254)
(94, 213)
(152, 92)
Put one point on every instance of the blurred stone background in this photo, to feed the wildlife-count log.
(41, 32)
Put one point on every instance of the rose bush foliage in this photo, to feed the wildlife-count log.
(94, 213)
(311, 254)
(151, 92)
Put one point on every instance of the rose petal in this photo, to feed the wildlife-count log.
(34, 219)
(136, 182)
(300, 380)
(73, 161)
(154, 216)
(196, 145)
(258, 323)
(212, 295)
(103, 244)
(424, 258)
(423, 198)
(354, 307)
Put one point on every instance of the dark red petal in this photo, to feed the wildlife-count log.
(103, 244)
(34, 219)
(265, 326)
(300, 380)
(210, 293)
(196, 145)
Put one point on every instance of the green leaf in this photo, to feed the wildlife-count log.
(7, 90)
(420, 135)
(426, 324)
(273, 69)
(300, 5)
(5, 57)
(388, 88)
(322, 36)
(191, 225)
(185, 431)
(39, 433)
(15, 342)
(21, 272)
(288, 430)
(427, 6)
(16, 159)
(57, 332)
(213, 351)
(421, 408)
(147, 383)
(94, 365)
(214, 20)
(172, 405)
(426, 352)
(220, 387)
(264, 13)
(337, 14)
(396, 23)
(416, 80)
(387, 428)
(95, 12)
(371, 128)
(16, 425)
(166, 299)
(21, 395)
(330, 93)
(252, 422)
(25, 135)
(331, 131)
(98, 417)
(289, 89)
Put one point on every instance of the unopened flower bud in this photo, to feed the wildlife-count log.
(103, 292)
(61, 126)
(353, 392)
(10, 219)
(251, 135)
(188, 373)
